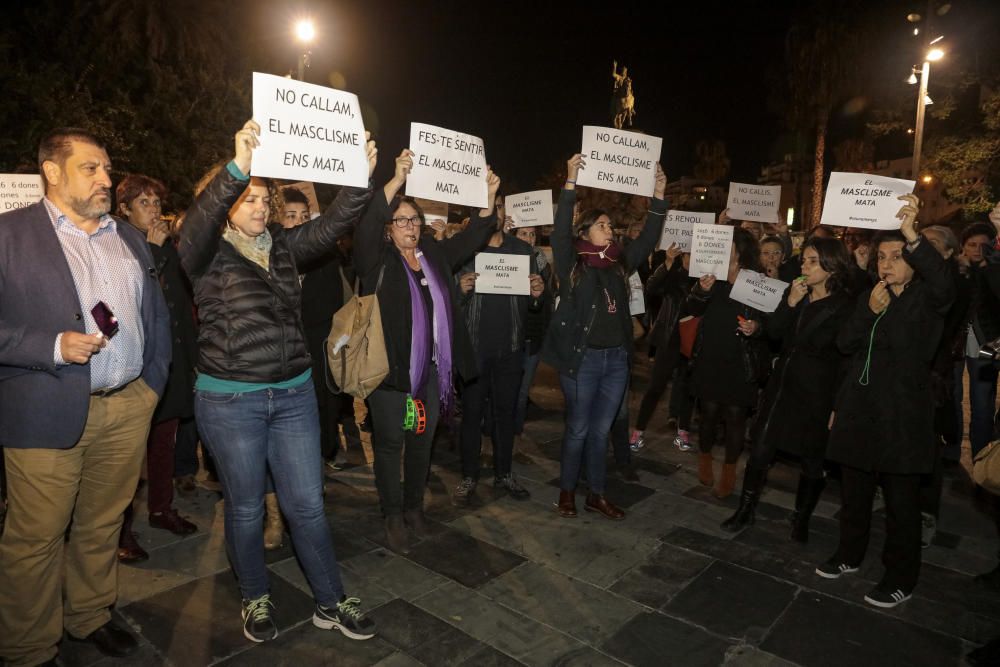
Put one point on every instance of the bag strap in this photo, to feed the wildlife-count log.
(378, 284)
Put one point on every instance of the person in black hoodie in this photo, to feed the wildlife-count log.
(883, 422)
(795, 413)
(254, 397)
(496, 324)
(427, 346)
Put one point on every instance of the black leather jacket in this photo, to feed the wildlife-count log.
(250, 324)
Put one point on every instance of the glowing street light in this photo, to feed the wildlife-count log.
(935, 55)
(305, 33)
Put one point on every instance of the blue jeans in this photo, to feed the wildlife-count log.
(982, 400)
(521, 406)
(593, 398)
(276, 429)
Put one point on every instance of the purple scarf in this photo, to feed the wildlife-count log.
(597, 257)
(439, 330)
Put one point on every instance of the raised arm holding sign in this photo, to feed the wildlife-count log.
(448, 166)
(863, 200)
(620, 161)
(308, 133)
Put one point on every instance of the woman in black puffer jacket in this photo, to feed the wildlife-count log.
(254, 398)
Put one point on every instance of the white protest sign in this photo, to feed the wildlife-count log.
(710, 247)
(636, 298)
(503, 274)
(758, 291)
(448, 166)
(758, 203)
(530, 209)
(19, 190)
(678, 228)
(619, 160)
(864, 200)
(433, 210)
(308, 133)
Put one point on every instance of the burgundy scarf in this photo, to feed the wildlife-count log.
(595, 256)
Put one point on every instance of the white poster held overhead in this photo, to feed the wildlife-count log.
(448, 166)
(710, 246)
(758, 291)
(618, 160)
(530, 209)
(503, 274)
(758, 203)
(636, 297)
(19, 190)
(678, 228)
(308, 133)
(864, 200)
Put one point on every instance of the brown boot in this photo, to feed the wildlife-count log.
(567, 504)
(274, 527)
(705, 474)
(395, 534)
(727, 482)
(598, 503)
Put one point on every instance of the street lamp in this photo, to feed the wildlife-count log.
(305, 33)
(923, 99)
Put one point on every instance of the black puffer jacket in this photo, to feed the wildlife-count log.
(251, 330)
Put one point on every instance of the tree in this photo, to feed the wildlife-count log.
(824, 51)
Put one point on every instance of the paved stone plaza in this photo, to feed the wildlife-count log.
(508, 583)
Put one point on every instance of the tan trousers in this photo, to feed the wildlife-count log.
(84, 489)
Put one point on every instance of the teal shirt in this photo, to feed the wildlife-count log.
(219, 386)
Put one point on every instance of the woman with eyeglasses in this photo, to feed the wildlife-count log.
(412, 274)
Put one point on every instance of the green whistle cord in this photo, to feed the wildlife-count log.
(863, 380)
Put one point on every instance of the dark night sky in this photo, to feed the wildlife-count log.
(526, 76)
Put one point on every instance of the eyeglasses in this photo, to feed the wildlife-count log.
(403, 223)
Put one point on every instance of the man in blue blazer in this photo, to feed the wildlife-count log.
(84, 354)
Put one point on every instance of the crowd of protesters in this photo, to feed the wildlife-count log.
(152, 338)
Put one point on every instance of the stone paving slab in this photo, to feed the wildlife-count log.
(655, 639)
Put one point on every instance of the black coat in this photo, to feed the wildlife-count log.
(372, 252)
(795, 412)
(671, 287)
(566, 342)
(250, 319)
(888, 424)
(178, 397)
(324, 292)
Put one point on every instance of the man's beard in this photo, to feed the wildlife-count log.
(90, 208)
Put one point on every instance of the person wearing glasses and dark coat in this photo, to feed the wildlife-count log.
(426, 341)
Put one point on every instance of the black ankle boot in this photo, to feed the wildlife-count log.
(753, 482)
(806, 499)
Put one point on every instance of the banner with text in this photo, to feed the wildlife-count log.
(678, 228)
(308, 133)
(710, 245)
(618, 160)
(503, 274)
(864, 200)
(758, 203)
(19, 190)
(448, 166)
(758, 291)
(530, 209)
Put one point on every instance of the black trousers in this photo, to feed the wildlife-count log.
(186, 448)
(735, 416)
(392, 445)
(762, 454)
(491, 397)
(664, 364)
(681, 401)
(901, 554)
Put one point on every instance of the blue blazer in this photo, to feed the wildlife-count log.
(41, 405)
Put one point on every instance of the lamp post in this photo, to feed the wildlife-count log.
(922, 101)
(305, 32)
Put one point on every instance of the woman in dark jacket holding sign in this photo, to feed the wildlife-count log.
(425, 340)
(795, 414)
(730, 361)
(590, 337)
(883, 425)
(254, 397)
